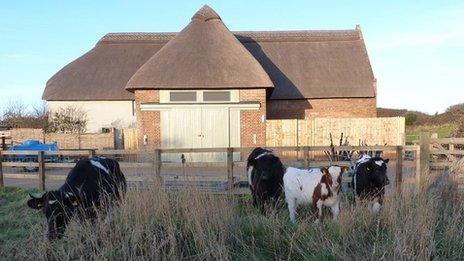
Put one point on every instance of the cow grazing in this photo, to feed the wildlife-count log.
(265, 176)
(93, 184)
(317, 187)
(370, 179)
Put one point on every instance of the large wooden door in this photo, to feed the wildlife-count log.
(180, 128)
(201, 127)
(215, 132)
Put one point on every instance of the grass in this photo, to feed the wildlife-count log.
(443, 131)
(152, 224)
(16, 223)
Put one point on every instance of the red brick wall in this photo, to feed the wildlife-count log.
(339, 107)
(148, 122)
(252, 127)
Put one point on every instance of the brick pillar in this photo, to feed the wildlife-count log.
(148, 122)
(253, 122)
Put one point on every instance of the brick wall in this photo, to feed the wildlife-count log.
(148, 122)
(66, 141)
(20, 135)
(340, 107)
(252, 127)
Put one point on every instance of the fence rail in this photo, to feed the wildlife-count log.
(154, 163)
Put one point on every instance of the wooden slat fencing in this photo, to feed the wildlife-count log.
(316, 131)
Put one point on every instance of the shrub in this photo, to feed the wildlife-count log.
(68, 120)
(410, 118)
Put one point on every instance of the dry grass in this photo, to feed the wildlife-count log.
(188, 224)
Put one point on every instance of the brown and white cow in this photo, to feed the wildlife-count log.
(317, 187)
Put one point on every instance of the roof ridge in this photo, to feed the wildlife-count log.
(243, 36)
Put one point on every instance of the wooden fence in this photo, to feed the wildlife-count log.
(153, 164)
(316, 131)
(130, 138)
(5, 139)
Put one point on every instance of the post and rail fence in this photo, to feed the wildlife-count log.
(424, 157)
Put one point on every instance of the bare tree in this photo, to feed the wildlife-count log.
(67, 120)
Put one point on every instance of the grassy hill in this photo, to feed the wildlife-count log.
(447, 124)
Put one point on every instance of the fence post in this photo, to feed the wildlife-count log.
(306, 157)
(1, 170)
(91, 153)
(418, 166)
(157, 164)
(399, 168)
(424, 142)
(230, 168)
(41, 161)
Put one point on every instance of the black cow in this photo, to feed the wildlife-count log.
(370, 179)
(93, 184)
(265, 176)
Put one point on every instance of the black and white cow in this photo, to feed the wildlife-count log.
(265, 176)
(370, 179)
(93, 184)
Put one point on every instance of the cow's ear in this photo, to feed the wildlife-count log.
(386, 161)
(344, 169)
(37, 201)
(70, 199)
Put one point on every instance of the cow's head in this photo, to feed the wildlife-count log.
(58, 207)
(377, 171)
(333, 177)
(268, 167)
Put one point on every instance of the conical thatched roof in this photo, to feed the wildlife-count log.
(205, 54)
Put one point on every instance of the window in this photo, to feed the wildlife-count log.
(183, 96)
(198, 96)
(216, 96)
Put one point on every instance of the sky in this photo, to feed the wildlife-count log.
(416, 48)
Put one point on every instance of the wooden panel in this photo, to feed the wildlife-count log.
(130, 137)
(215, 132)
(316, 131)
(181, 128)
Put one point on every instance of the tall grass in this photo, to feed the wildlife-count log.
(190, 224)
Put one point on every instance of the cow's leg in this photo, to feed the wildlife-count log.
(319, 204)
(376, 206)
(291, 202)
(335, 209)
(255, 201)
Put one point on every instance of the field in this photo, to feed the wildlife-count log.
(443, 131)
(189, 224)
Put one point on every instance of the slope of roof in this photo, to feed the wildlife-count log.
(301, 64)
(205, 54)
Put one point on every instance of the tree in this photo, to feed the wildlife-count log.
(68, 120)
(16, 115)
(410, 118)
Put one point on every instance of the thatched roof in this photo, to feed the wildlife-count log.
(300, 64)
(205, 54)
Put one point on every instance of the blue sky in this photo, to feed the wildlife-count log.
(416, 47)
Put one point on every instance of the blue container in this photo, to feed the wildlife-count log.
(34, 145)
